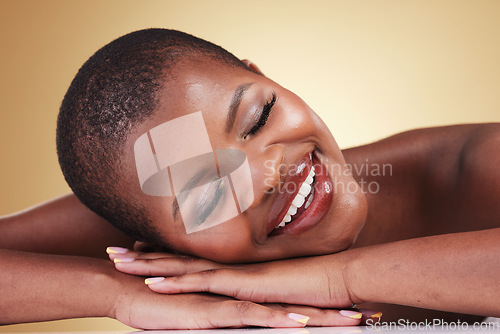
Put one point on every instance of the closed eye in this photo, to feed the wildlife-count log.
(212, 194)
(264, 115)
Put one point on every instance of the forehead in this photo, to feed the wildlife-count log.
(199, 85)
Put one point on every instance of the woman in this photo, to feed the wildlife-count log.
(416, 212)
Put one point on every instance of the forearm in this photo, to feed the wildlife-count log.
(39, 287)
(454, 272)
(60, 226)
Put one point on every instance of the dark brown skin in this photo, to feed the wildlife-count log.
(61, 226)
(456, 184)
(445, 180)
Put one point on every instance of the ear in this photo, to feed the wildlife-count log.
(252, 66)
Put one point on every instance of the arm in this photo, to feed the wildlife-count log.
(60, 226)
(37, 287)
(40, 287)
(454, 272)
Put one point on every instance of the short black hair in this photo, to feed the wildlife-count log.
(113, 92)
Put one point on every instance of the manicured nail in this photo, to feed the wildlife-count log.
(302, 319)
(351, 314)
(154, 280)
(371, 314)
(123, 259)
(116, 250)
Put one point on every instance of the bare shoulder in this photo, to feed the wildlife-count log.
(479, 169)
(462, 183)
(444, 180)
(481, 151)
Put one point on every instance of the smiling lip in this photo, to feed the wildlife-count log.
(310, 217)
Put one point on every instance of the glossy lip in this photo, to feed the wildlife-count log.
(311, 216)
(288, 190)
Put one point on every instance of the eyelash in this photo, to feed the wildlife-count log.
(266, 111)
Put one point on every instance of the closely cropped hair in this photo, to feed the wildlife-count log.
(113, 92)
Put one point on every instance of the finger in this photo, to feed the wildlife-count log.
(250, 283)
(114, 252)
(197, 311)
(140, 255)
(323, 317)
(164, 266)
(239, 284)
(235, 313)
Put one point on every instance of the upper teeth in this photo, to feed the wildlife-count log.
(300, 198)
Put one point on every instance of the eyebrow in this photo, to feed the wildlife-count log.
(235, 103)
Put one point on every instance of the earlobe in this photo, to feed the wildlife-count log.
(252, 66)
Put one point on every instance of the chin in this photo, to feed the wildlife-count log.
(346, 226)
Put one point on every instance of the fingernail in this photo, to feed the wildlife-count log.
(351, 314)
(371, 314)
(123, 259)
(302, 319)
(154, 280)
(116, 250)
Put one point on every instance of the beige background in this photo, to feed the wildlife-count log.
(369, 68)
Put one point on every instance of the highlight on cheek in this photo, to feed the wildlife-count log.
(176, 158)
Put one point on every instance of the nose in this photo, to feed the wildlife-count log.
(265, 169)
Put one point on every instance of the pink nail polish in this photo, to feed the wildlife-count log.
(351, 314)
(301, 319)
(154, 280)
(123, 259)
(116, 250)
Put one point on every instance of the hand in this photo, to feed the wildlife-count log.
(299, 281)
(139, 307)
(315, 281)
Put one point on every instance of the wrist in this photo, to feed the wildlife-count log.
(123, 292)
(353, 271)
(108, 288)
(97, 288)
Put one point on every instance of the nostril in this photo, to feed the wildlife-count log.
(270, 190)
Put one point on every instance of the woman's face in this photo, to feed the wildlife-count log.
(281, 149)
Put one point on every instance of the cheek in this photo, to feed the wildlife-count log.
(228, 242)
